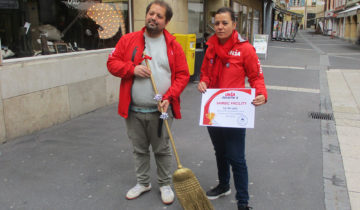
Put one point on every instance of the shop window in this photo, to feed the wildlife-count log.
(244, 25)
(238, 15)
(38, 27)
(196, 18)
(256, 22)
(249, 26)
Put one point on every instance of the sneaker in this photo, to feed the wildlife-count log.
(137, 191)
(167, 195)
(245, 207)
(218, 191)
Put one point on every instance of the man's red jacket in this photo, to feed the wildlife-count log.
(129, 52)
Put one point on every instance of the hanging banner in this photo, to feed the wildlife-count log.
(231, 108)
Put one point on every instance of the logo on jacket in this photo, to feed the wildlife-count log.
(260, 69)
(234, 53)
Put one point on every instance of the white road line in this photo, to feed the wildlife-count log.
(293, 89)
(295, 48)
(331, 44)
(283, 67)
(344, 69)
(343, 53)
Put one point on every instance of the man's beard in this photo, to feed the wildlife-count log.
(152, 29)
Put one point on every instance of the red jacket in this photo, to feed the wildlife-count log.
(243, 62)
(128, 54)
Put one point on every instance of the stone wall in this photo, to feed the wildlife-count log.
(40, 92)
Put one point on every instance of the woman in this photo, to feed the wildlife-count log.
(228, 60)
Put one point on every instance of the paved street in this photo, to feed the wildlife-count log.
(295, 162)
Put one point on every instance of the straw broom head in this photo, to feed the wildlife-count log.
(189, 192)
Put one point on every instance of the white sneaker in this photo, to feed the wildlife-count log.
(167, 195)
(137, 191)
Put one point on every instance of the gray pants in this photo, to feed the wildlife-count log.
(142, 130)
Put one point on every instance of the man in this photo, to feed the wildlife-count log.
(136, 103)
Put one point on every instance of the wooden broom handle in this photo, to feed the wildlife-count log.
(165, 120)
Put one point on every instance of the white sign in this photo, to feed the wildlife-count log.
(231, 108)
(260, 43)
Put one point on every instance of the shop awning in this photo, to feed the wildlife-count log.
(288, 12)
(349, 12)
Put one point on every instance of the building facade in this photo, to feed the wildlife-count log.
(341, 19)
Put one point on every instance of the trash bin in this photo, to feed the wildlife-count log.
(188, 43)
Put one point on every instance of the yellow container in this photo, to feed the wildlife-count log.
(188, 43)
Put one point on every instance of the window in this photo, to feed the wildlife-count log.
(196, 17)
(247, 20)
(256, 22)
(296, 3)
(36, 27)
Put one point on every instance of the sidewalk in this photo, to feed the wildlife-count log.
(343, 76)
(344, 88)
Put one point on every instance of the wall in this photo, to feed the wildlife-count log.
(42, 91)
(178, 23)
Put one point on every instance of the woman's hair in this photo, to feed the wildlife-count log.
(226, 10)
(168, 13)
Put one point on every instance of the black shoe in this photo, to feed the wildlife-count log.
(218, 191)
(245, 207)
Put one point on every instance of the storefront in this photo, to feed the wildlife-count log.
(350, 23)
(248, 16)
(285, 24)
(34, 27)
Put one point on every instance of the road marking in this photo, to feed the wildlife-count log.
(343, 53)
(293, 89)
(286, 88)
(295, 48)
(330, 44)
(346, 57)
(344, 69)
(283, 67)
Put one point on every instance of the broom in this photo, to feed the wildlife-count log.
(187, 187)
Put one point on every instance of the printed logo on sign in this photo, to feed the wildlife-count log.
(242, 120)
(230, 94)
(234, 53)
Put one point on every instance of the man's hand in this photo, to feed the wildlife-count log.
(202, 87)
(142, 71)
(164, 105)
(259, 100)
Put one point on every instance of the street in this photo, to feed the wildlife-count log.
(87, 164)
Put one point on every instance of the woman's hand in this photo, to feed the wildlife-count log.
(202, 87)
(259, 100)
